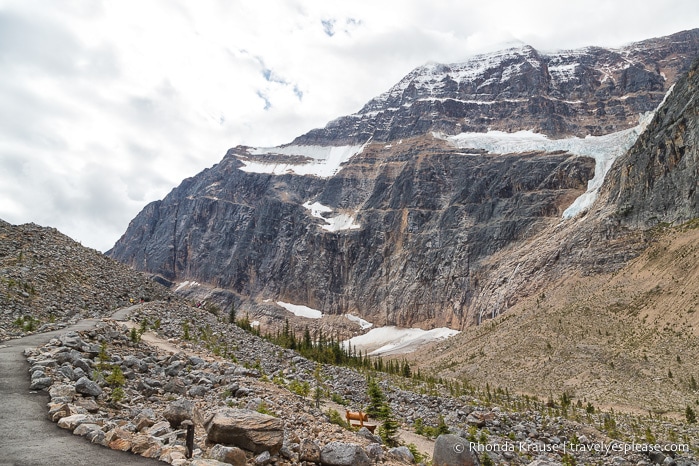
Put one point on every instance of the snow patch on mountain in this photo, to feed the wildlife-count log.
(301, 311)
(325, 161)
(364, 324)
(390, 340)
(337, 223)
(186, 284)
(604, 149)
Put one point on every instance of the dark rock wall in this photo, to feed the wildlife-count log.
(656, 181)
(427, 217)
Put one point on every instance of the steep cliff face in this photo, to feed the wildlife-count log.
(656, 181)
(378, 216)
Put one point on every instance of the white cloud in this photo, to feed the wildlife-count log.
(109, 105)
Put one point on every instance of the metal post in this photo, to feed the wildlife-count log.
(190, 437)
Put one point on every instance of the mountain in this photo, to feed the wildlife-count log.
(625, 337)
(445, 200)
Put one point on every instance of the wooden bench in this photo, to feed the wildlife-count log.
(361, 417)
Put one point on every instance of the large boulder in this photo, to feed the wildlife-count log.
(179, 411)
(343, 454)
(452, 450)
(246, 429)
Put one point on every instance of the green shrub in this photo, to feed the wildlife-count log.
(337, 419)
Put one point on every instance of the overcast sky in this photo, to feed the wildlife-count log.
(106, 106)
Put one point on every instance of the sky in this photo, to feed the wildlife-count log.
(106, 106)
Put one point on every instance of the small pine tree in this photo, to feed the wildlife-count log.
(102, 357)
(116, 378)
(376, 398)
(318, 392)
(442, 427)
(690, 415)
(389, 428)
(135, 336)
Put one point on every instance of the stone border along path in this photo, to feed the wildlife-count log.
(27, 436)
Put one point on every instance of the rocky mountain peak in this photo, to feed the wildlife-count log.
(401, 212)
(588, 91)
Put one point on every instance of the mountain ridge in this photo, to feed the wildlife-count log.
(406, 231)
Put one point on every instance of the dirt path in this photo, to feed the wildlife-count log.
(27, 436)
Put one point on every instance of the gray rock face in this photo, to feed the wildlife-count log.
(249, 430)
(452, 450)
(87, 387)
(343, 454)
(656, 181)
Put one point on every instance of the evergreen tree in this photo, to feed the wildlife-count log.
(442, 427)
(389, 428)
(405, 370)
(318, 392)
(376, 398)
(690, 415)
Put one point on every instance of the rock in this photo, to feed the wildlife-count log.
(179, 411)
(87, 387)
(401, 454)
(141, 443)
(263, 458)
(174, 368)
(71, 422)
(72, 340)
(96, 436)
(40, 383)
(64, 391)
(120, 444)
(85, 365)
(84, 429)
(89, 404)
(309, 451)
(198, 391)
(249, 430)
(155, 451)
(451, 450)
(374, 452)
(343, 454)
(228, 455)
(67, 372)
(58, 411)
(159, 429)
(366, 433)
